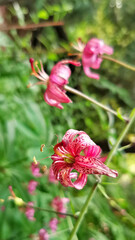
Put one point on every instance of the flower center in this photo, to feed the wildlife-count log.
(68, 158)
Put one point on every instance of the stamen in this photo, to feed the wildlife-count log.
(34, 160)
(44, 168)
(57, 151)
(41, 148)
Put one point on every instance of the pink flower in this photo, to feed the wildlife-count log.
(91, 56)
(59, 205)
(53, 224)
(35, 169)
(51, 176)
(43, 234)
(29, 211)
(55, 93)
(3, 208)
(32, 186)
(78, 152)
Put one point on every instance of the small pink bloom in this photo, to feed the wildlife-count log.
(29, 211)
(78, 152)
(51, 176)
(91, 56)
(59, 205)
(43, 234)
(55, 93)
(3, 208)
(32, 186)
(53, 224)
(35, 169)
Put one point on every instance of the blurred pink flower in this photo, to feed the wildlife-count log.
(59, 205)
(51, 176)
(2, 208)
(91, 56)
(43, 234)
(32, 186)
(29, 211)
(55, 93)
(53, 224)
(35, 169)
(78, 152)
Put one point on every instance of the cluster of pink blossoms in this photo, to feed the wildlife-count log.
(59, 205)
(78, 152)
(55, 93)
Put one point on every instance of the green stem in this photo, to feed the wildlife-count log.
(125, 147)
(93, 190)
(51, 211)
(120, 138)
(83, 211)
(113, 203)
(118, 62)
(74, 91)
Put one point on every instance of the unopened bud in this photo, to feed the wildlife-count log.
(19, 202)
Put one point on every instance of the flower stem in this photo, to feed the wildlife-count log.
(93, 190)
(83, 211)
(118, 62)
(120, 138)
(72, 90)
(51, 211)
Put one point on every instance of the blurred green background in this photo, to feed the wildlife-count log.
(26, 121)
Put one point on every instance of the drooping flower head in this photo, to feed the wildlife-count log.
(78, 152)
(53, 224)
(29, 211)
(92, 55)
(32, 186)
(43, 234)
(59, 205)
(55, 93)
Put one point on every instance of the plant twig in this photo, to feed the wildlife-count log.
(72, 90)
(31, 26)
(118, 62)
(51, 211)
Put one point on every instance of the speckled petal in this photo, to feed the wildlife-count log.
(75, 141)
(65, 179)
(93, 151)
(93, 166)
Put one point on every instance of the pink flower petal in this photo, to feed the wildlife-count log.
(93, 166)
(65, 179)
(29, 211)
(59, 205)
(43, 234)
(32, 186)
(91, 56)
(53, 224)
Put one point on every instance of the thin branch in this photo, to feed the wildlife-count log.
(51, 211)
(72, 90)
(118, 62)
(31, 26)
